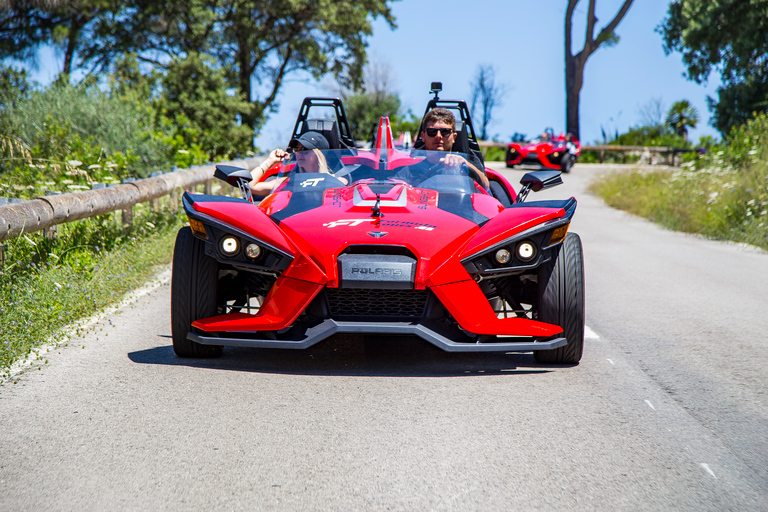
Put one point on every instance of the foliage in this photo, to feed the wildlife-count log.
(723, 195)
(203, 114)
(84, 132)
(487, 95)
(258, 42)
(495, 154)
(729, 36)
(682, 115)
(47, 285)
(658, 135)
(14, 85)
(364, 110)
(26, 26)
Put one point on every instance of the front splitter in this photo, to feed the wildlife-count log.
(330, 327)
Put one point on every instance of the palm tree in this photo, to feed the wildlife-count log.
(681, 116)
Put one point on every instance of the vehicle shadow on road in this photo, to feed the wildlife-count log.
(355, 356)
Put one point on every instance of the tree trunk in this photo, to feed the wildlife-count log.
(574, 64)
(574, 79)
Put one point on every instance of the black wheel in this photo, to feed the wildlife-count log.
(193, 293)
(561, 301)
(566, 163)
(508, 158)
(500, 193)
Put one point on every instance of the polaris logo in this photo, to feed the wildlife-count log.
(377, 271)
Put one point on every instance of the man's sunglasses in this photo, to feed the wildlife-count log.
(296, 148)
(443, 131)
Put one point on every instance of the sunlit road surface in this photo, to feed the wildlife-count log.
(667, 410)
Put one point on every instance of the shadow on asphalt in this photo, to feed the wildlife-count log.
(346, 355)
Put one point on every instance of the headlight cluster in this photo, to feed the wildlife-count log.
(516, 254)
(525, 252)
(229, 246)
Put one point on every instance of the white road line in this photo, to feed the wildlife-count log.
(650, 404)
(589, 334)
(706, 468)
(614, 364)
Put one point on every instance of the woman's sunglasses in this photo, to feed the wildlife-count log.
(443, 131)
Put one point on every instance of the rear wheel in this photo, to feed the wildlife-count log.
(193, 293)
(561, 301)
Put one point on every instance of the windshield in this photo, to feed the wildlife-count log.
(315, 170)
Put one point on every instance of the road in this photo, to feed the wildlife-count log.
(668, 409)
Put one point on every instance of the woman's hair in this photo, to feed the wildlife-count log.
(322, 163)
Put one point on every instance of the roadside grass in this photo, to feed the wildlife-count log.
(37, 300)
(723, 196)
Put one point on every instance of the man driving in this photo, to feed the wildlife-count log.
(439, 133)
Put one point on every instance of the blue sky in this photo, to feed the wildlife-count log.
(523, 40)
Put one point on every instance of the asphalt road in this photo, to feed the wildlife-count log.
(668, 409)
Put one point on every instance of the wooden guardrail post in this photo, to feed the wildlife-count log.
(127, 215)
(51, 232)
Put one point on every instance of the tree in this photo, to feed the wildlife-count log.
(195, 98)
(652, 113)
(729, 36)
(486, 95)
(27, 25)
(574, 64)
(258, 42)
(681, 116)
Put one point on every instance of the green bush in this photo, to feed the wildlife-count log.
(64, 123)
(91, 265)
(495, 154)
(722, 195)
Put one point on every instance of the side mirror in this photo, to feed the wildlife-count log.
(237, 177)
(538, 180)
(232, 175)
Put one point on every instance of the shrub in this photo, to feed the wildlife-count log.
(723, 195)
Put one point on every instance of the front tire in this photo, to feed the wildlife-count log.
(567, 163)
(561, 301)
(193, 293)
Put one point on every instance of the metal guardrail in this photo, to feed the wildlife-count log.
(17, 218)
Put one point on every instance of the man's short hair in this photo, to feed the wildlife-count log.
(437, 115)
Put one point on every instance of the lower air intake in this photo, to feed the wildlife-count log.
(356, 302)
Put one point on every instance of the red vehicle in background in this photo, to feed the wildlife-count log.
(547, 150)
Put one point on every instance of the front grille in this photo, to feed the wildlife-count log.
(357, 302)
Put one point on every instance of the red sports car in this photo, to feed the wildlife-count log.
(548, 151)
(383, 241)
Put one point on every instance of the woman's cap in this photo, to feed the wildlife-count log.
(312, 140)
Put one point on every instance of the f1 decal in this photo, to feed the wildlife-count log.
(387, 223)
(345, 222)
(311, 182)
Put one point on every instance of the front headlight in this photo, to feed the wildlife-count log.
(253, 251)
(229, 245)
(526, 251)
(503, 256)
